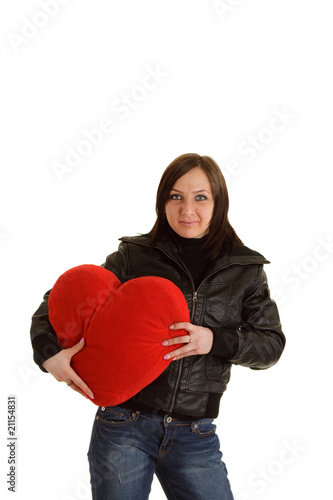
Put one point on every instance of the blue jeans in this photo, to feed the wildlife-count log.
(127, 448)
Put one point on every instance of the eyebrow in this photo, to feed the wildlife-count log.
(194, 192)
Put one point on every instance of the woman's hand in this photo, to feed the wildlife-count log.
(59, 366)
(199, 341)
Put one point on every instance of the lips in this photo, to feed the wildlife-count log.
(188, 222)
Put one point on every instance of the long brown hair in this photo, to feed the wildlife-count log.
(220, 229)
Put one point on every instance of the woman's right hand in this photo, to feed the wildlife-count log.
(59, 366)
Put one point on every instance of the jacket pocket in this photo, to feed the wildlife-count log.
(214, 367)
(218, 370)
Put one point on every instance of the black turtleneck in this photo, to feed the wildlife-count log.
(193, 252)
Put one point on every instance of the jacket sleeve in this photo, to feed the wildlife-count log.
(43, 337)
(117, 263)
(260, 341)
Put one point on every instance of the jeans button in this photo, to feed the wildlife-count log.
(169, 419)
(103, 408)
(195, 426)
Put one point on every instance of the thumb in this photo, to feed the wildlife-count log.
(77, 347)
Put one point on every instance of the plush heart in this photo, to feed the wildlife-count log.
(123, 326)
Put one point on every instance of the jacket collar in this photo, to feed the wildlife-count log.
(241, 255)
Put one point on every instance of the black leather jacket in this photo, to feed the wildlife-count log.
(233, 300)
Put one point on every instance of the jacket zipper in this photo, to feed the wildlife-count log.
(181, 362)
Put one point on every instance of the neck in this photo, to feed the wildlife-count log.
(189, 241)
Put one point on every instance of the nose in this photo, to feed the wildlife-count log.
(187, 207)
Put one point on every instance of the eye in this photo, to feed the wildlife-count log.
(201, 197)
(175, 197)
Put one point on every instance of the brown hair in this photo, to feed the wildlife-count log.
(220, 229)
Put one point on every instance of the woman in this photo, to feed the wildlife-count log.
(168, 428)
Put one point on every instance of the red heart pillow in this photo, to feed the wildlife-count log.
(123, 326)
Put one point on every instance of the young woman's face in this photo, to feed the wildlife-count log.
(190, 205)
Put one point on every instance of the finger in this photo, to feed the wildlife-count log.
(77, 389)
(183, 351)
(71, 351)
(185, 339)
(184, 355)
(80, 384)
(184, 325)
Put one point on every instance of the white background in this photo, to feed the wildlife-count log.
(227, 72)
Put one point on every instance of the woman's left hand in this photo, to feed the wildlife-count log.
(199, 341)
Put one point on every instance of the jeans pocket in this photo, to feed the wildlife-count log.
(114, 416)
(204, 427)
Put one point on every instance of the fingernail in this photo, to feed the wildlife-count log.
(165, 342)
(171, 327)
(82, 340)
(167, 356)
